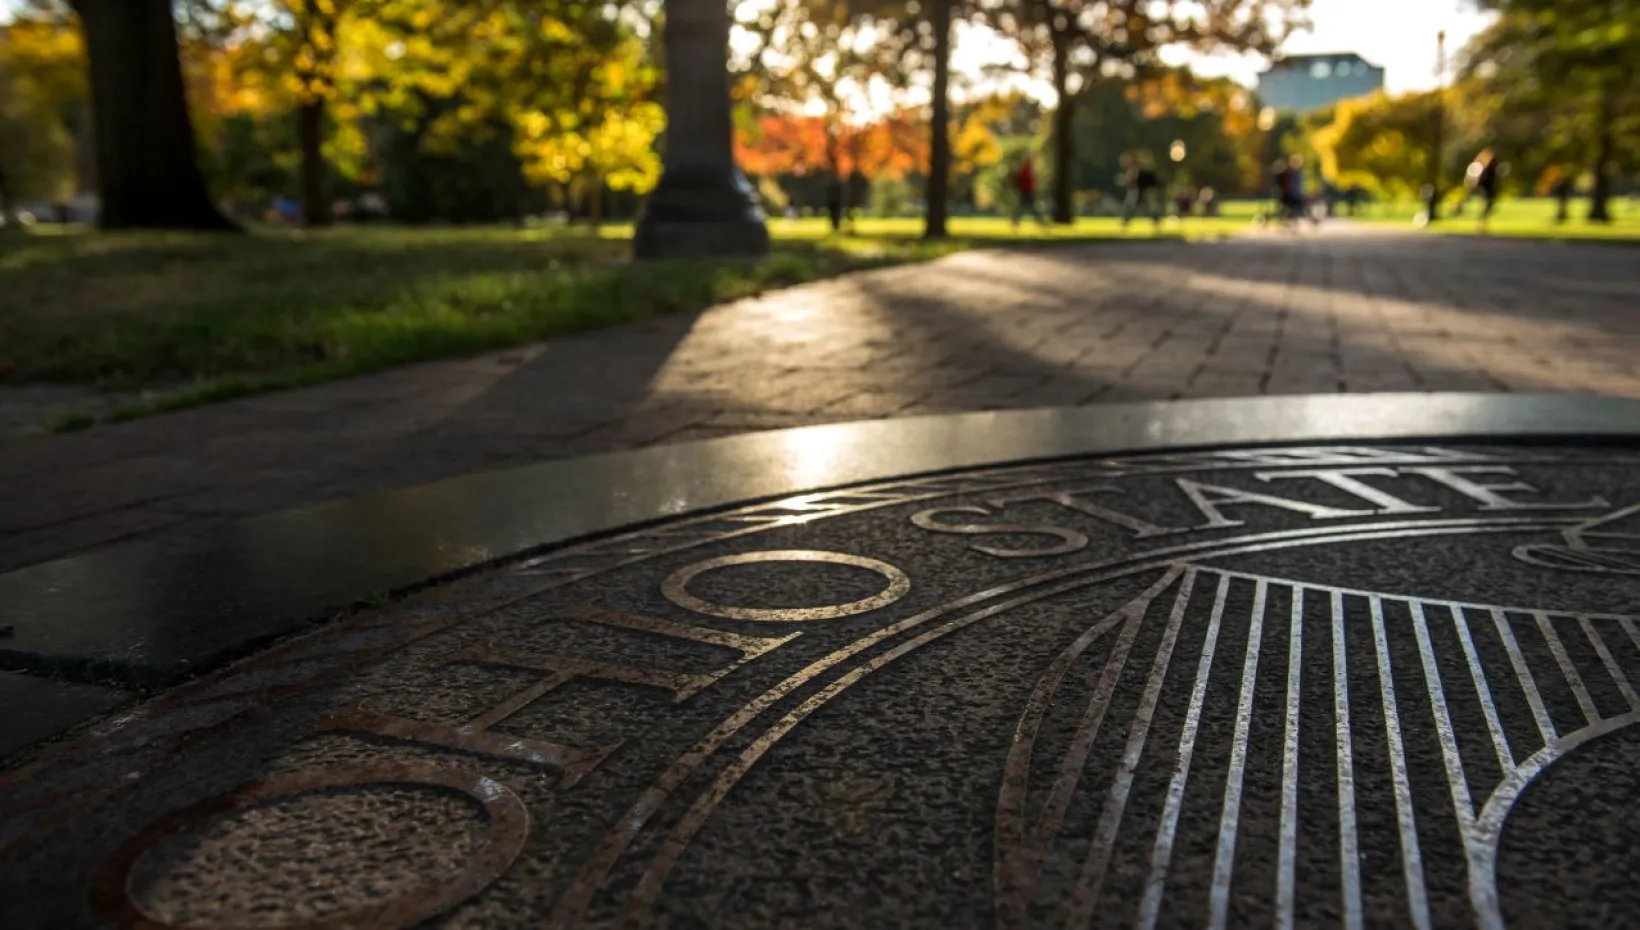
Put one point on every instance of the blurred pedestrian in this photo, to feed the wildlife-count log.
(1291, 200)
(1185, 200)
(859, 194)
(1279, 172)
(1143, 188)
(1353, 195)
(834, 203)
(1025, 193)
(1482, 180)
(1563, 190)
(287, 210)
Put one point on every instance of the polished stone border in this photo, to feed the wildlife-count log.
(155, 611)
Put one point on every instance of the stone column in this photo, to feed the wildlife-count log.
(703, 205)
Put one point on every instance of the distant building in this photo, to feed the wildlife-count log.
(1301, 83)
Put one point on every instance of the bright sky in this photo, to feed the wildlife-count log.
(1396, 34)
(1399, 35)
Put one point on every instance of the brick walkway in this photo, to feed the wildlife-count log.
(1346, 311)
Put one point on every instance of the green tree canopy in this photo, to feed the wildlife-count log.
(1562, 77)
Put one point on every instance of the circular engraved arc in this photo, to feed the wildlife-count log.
(331, 651)
(711, 528)
(112, 901)
(1022, 846)
(676, 587)
(573, 901)
(1488, 829)
(333, 654)
(1581, 559)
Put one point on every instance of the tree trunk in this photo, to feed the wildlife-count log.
(8, 220)
(85, 151)
(318, 42)
(834, 185)
(703, 206)
(1432, 206)
(856, 188)
(1064, 146)
(1600, 195)
(310, 122)
(939, 148)
(147, 168)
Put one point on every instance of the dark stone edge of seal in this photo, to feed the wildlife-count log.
(34, 708)
(156, 611)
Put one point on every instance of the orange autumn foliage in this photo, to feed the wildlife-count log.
(793, 144)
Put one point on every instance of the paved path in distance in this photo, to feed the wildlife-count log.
(1344, 311)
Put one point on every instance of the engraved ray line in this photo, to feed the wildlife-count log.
(1484, 900)
(576, 898)
(596, 868)
(1412, 863)
(1017, 859)
(1230, 818)
(1093, 715)
(1483, 837)
(1427, 601)
(187, 693)
(100, 738)
(1606, 659)
(1079, 909)
(566, 910)
(1523, 674)
(1349, 854)
(1628, 627)
(1162, 855)
(696, 816)
(1288, 851)
(1500, 742)
(182, 696)
(1575, 680)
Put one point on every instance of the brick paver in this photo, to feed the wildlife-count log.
(1345, 311)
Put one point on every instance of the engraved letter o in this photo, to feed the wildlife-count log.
(676, 587)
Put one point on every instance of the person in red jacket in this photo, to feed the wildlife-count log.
(1025, 188)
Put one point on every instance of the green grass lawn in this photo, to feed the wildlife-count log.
(189, 319)
(997, 230)
(1522, 218)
